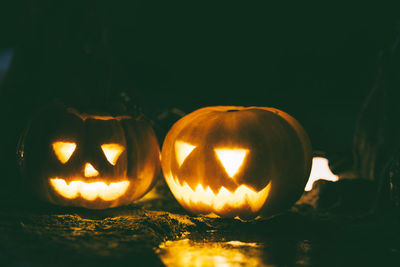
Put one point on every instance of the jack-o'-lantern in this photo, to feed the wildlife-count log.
(76, 159)
(236, 161)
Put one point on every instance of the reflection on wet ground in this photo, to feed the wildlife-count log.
(215, 248)
(190, 253)
(287, 251)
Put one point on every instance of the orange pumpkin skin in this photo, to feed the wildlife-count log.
(66, 181)
(236, 161)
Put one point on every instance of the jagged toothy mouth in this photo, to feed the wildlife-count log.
(89, 190)
(243, 196)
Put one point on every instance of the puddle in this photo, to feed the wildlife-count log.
(189, 253)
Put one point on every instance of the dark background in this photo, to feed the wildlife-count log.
(316, 61)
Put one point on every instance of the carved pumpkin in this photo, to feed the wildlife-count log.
(89, 161)
(236, 161)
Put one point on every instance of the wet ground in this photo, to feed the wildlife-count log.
(318, 231)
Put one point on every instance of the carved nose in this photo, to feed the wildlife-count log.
(90, 171)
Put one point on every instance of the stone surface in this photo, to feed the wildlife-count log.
(156, 230)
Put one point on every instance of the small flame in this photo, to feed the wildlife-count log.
(89, 191)
(242, 197)
(320, 171)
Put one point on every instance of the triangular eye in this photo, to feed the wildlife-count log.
(64, 150)
(112, 152)
(182, 150)
(231, 159)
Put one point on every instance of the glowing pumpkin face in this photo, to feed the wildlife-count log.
(89, 161)
(236, 161)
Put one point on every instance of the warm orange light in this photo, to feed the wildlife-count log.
(243, 197)
(182, 150)
(320, 170)
(112, 152)
(183, 253)
(63, 150)
(90, 171)
(231, 159)
(89, 191)
(85, 116)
